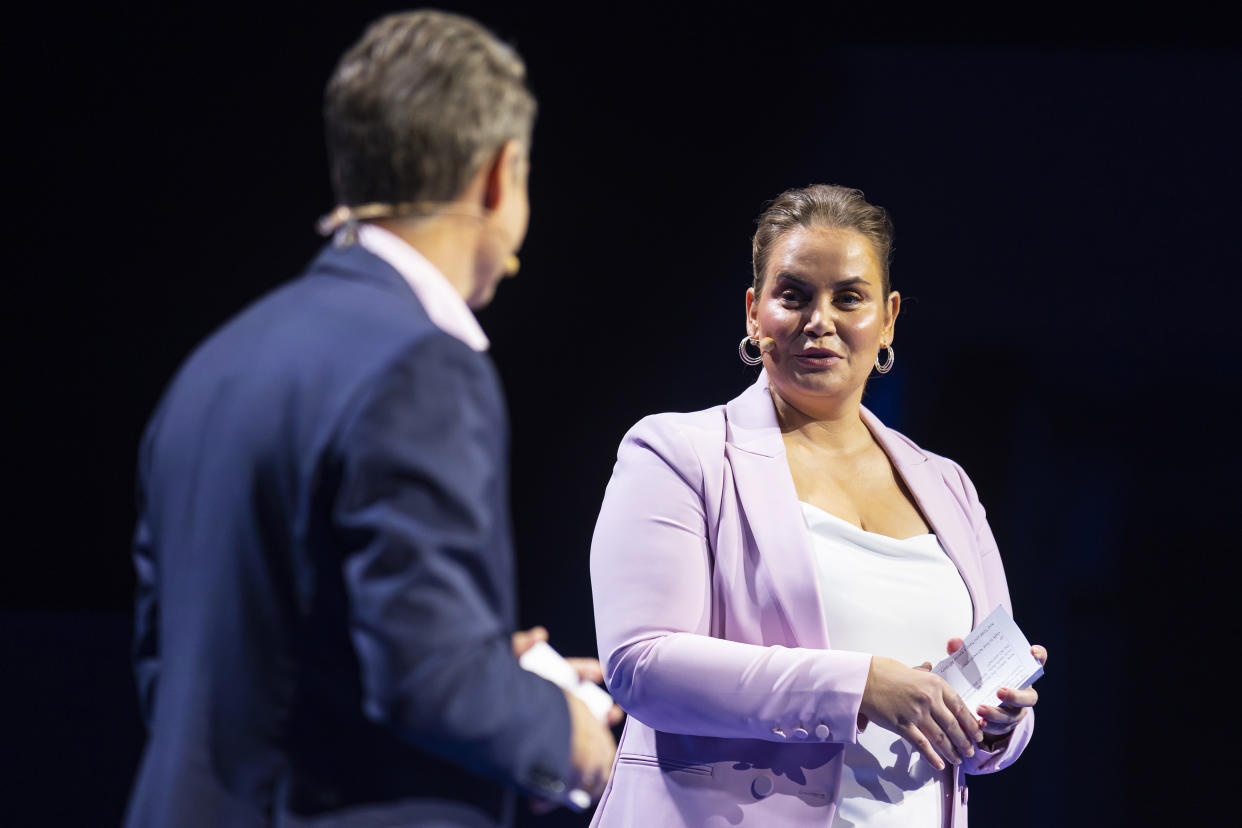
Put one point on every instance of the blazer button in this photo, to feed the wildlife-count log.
(821, 731)
(801, 732)
(762, 786)
(779, 732)
(965, 795)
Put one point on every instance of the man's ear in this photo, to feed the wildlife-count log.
(501, 174)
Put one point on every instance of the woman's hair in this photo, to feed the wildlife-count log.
(822, 205)
(417, 105)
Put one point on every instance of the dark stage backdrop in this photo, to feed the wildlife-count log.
(1065, 196)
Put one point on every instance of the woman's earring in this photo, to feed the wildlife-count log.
(745, 354)
(887, 365)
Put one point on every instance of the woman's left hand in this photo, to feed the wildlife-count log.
(998, 720)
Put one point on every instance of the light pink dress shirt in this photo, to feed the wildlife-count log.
(445, 307)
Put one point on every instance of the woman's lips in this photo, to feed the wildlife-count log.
(818, 358)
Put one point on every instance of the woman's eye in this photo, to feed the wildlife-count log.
(849, 299)
(791, 296)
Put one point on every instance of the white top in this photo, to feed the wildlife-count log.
(445, 307)
(903, 599)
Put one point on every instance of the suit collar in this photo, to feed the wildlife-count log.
(447, 309)
(382, 260)
(900, 451)
(357, 264)
(751, 421)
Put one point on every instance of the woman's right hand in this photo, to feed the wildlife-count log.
(923, 709)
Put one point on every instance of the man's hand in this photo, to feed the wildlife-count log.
(523, 640)
(591, 753)
(592, 748)
(588, 669)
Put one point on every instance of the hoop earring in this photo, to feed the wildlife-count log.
(887, 365)
(745, 355)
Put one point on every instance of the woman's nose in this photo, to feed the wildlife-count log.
(822, 322)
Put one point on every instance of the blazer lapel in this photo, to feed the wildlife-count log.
(769, 503)
(936, 503)
(756, 454)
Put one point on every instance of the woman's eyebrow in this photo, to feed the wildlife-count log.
(856, 280)
(853, 280)
(785, 274)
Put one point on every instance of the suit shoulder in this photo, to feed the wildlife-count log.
(433, 370)
(693, 426)
(954, 476)
(949, 471)
(290, 366)
(686, 441)
(317, 320)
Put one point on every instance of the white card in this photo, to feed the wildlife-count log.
(547, 663)
(996, 654)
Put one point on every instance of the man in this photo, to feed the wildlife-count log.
(325, 576)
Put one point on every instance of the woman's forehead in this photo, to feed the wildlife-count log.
(824, 252)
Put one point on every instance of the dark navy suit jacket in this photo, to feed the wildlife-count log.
(325, 574)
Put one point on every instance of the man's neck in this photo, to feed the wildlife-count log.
(449, 241)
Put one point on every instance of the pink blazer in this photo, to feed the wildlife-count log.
(711, 625)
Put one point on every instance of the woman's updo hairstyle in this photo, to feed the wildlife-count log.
(822, 205)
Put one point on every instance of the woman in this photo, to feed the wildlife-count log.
(765, 571)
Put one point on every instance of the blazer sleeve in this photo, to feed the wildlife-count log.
(1005, 751)
(422, 467)
(146, 644)
(651, 577)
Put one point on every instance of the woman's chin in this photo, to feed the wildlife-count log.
(822, 381)
(814, 389)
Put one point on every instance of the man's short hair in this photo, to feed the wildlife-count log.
(417, 105)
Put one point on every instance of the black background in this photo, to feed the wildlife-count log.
(1064, 189)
